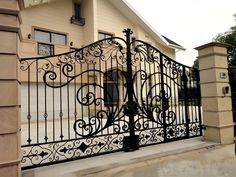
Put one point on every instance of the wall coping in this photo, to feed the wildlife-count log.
(211, 44)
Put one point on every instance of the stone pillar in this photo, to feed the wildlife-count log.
(10, 147)
(216, 98)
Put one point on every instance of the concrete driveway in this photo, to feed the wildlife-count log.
(215, 161)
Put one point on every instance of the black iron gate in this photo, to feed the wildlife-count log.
(232, 81)
(111, 95)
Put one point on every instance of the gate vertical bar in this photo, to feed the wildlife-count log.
(199, 101)
(186, 104)
(163, 96)
(130, 142)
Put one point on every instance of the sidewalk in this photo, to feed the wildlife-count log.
(181, 158)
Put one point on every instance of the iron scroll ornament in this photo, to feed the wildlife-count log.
(90, 55)
(101, 51)
(160, 113)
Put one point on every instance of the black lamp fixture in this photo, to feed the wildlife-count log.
(29, 36)
(71, 43)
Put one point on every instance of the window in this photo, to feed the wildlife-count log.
(149, 53)
(76, 17)
(133, 42)
(110, 88)
(110, 94)
(149, 86)
(46, 39)
(50, 37)
(104, 36)
(77, 11)
(114, 87)
(42, 36)
(58, 38)
(45, 49)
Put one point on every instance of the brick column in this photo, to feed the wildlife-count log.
(216, 98)
(9, 90)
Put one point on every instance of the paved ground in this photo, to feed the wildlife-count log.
(187, 158)
(219, 161)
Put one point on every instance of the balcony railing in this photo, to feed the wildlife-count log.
(77, 20)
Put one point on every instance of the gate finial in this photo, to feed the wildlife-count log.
(127, 31)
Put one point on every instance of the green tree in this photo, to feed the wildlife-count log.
(195, 64)
(229, 37)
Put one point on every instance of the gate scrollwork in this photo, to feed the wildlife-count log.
(111, 95)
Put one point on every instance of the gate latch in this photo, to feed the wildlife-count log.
(131, 109)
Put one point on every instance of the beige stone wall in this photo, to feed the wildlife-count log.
(216, 105)
(10, 151)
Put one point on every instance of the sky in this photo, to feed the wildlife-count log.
(190, 23)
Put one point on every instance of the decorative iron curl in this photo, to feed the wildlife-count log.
(90, 97)
(90, 127)
(103, 50)
(155, 108)
(24, 65)
(94, 124)
(144, 52)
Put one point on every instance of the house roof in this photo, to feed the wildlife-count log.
(173, 43)
(127, 10)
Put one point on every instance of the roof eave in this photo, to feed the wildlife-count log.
(177, 47)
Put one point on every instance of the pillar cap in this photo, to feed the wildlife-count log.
(211, 44)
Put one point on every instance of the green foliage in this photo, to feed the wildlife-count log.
(195, 64)
(229, 37)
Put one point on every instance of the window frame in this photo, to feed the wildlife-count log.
(50, 42)
(76, 13)
(105, 34)
(133, 40)
(50, 36)
(113, 87)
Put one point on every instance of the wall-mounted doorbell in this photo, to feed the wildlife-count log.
(225, 90)
(223, 75)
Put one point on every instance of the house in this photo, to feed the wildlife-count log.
(56, 26)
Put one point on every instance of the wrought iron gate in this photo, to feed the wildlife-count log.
(232, 81)
(111, 95)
